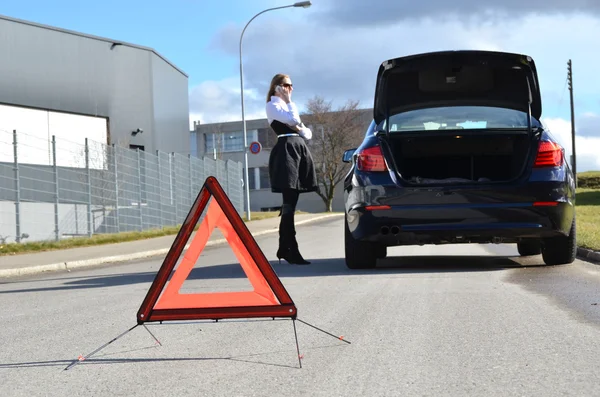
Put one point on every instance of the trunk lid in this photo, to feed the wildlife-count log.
(457, 78)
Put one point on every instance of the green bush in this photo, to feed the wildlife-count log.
(589, 180)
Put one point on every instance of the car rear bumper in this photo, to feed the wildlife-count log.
(456, 223)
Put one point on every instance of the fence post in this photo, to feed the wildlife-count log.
(139, 175)
(241, 199)
(76, 218)
(160, 211)
(174, 193)
(17, 187)
(115, 163)
(202, 177)
(191, 181)
(89, 188)
(56, 198)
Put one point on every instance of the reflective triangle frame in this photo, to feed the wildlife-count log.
(269, 286)
(269, 299)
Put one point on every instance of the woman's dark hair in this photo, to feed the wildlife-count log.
(277, 80)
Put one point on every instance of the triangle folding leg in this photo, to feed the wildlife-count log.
(269, 298)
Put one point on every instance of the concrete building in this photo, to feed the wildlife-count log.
(73, 86)
(226, 141)
(115, 88)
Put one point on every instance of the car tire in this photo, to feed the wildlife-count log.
(529, 248)
(359, 254)
(561, 250)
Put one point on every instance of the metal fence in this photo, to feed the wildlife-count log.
(53, 189)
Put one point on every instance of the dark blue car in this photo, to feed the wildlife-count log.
(456, 153)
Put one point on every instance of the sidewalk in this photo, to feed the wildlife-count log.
(48, 261)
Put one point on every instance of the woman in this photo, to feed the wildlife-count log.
(291, 167)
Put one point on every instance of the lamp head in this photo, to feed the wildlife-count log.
(304, 4)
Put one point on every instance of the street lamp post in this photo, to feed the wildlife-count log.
(303, 4)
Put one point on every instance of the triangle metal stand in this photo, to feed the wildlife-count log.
(318, 329)
(83, 358)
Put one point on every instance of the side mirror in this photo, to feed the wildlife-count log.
(348, 155)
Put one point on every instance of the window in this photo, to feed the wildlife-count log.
(259, 178)
(318, 134)
(264, 178)
(251, 179)
(318, 130)
(233, 142)
(213, 141)
(267, 137)
(228, 141)
(459, 118)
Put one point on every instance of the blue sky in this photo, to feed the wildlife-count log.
(181, 30)
(333, 49)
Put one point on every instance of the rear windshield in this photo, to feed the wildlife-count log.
(459, 118)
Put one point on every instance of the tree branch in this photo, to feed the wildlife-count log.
(342, 130)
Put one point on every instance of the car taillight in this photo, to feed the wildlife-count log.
(377, 207)
(371, 159)
(550, 154)
(545, 204)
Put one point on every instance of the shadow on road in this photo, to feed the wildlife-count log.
(103, 359)
(400, 265)
(318, 268)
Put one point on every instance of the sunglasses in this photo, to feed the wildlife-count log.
(287, 85)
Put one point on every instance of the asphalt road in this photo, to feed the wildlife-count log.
(433, 321)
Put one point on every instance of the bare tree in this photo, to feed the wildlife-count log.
(217, 138)
(333, 133)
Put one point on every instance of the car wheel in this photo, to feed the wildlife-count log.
(529, 248)
(359, 254)
(561, 250)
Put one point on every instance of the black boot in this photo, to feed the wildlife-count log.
(283, 249)
(288, 250)
(292, 256)
(288, 247)
(297, 256)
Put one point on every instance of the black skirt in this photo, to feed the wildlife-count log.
(291, 166)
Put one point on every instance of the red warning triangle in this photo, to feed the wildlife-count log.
(269, 297)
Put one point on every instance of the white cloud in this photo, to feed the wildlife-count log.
(385, 12)
(341, 62)
(586, 147)
(218, 101)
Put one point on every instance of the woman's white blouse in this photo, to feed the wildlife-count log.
(286, 113)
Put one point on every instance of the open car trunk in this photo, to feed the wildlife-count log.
(457, 78)
(458, 116)
(455, 159)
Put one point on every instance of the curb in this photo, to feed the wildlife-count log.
(67, 266)
(588, 254)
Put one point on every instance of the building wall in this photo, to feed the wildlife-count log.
(193, 144)
(171, 108)
(37, 221)
(129, 100)
(52, 69)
